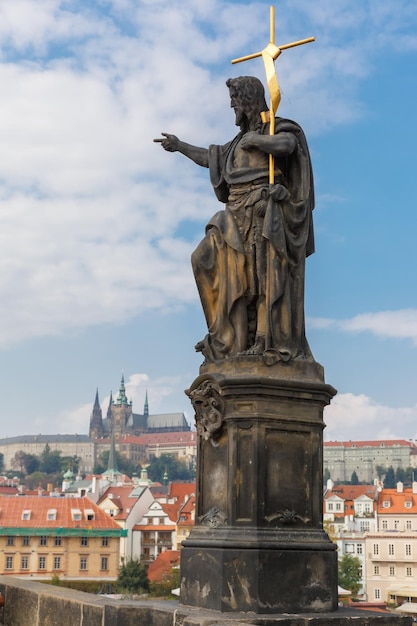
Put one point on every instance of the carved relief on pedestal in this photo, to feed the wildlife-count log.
(286, 517)
(209, 409)
(213, 518)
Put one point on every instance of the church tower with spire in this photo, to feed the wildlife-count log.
(121, 411)
(96, 420)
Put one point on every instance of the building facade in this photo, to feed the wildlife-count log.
(42, 536)
(391, 551)
(342, 458)
(80, 446)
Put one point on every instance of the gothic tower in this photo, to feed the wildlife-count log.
(96, 420)
(121, 411)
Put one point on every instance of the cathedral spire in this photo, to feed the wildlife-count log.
(96, 420)
(146, 406)
(122, 398)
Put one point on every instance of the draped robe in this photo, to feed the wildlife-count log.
(255, 249)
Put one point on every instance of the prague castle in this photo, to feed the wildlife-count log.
(120, 419)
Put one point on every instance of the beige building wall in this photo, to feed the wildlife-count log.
(67, 557)
(71, 445)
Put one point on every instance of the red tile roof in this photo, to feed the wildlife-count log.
(12, 510)
(368, 444)
(163, 564)
(397, 502)
(352, 492)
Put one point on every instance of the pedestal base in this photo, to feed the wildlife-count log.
(258, 544)
(261, 581)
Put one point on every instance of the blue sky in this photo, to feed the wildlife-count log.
(97, 223)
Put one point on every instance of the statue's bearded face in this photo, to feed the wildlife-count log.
(237, 106)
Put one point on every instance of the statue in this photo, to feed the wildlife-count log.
(250, 266)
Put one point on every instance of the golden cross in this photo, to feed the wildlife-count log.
(269, 54)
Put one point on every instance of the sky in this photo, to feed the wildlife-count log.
(97, 222)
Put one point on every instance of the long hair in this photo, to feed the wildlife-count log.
(251, 94)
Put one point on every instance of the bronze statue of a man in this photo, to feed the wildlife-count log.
(250, 266)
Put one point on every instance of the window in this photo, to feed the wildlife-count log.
(330, 506)
(408, 524)
(377, 594)
(365, 526)
(359, 548)
(83, 563)
(396, 524)
(409, 571)
(376, 570)
(408, 549)
(58, 541)
(408, 504)
(89, 514)
(84, 541)
(384, 524)
(386, 505)
(10, 541)
(25, 541)
(338, 506)
(51, 516)
(24, 563)
(57, 562)
(391, 549)
(367, 507)
(392, 571)
(376, 549)
(43, 540)
(104, 541)
(26, 514)
(9, 562)
(104, 563)
(76, 515)
(42, 562)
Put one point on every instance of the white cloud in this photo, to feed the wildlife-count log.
(351, 417)
(400, 324)
(90, 208)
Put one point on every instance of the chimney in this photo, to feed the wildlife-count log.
(414, 486)
(400, 487)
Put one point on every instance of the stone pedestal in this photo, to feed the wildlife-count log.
(258, 544)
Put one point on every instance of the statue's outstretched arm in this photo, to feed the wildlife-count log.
(171, 143)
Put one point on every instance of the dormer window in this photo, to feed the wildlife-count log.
(76, 515)
(51, 515)
(26, 514)
(386, 504)
(408, 504)
(89, 514)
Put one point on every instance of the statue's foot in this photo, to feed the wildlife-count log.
(257, 348)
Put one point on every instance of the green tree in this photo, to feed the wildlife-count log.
(50, 461)
(166, 465)
(380, 471)
(354, 480)
(349, 572)
(400, 475)
(132, 577)
(70, 463)
(123, 465)
(25, 463)
(389, 480)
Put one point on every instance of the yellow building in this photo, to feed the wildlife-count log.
(72, 538)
